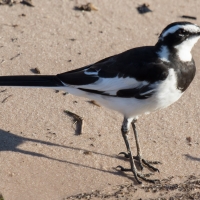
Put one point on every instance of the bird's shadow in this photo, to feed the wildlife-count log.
(11, 142)
(191, 157)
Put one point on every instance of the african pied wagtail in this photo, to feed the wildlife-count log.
(135, 82)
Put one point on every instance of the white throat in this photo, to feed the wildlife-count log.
(184, 49)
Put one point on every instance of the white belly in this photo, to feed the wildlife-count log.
(165, 94)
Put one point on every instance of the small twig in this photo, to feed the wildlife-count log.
(6, 99)
(27, 2)
(15, 56)
(3, 90)
(11, 25)
(95, 103)
(188, 17)
(2, 61)
(77, 119)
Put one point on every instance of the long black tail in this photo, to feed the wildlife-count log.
(31, 81)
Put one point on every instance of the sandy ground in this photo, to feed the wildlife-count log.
(41, 157)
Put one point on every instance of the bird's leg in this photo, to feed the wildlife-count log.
(138, 157)
(125, 130)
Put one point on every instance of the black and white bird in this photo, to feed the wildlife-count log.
(135, 82)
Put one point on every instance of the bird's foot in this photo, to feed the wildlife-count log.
(142, 162)
(139, 175)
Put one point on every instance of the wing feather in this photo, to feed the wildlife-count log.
(129, 74)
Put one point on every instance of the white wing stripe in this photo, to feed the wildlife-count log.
(114, 84)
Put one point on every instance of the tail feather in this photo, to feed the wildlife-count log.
(31, 81)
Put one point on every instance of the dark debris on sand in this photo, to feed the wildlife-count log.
(87, 7)
(165, 190)
(144, 8)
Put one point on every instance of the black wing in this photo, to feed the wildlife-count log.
(129, 74)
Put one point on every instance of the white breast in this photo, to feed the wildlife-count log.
(167, 92)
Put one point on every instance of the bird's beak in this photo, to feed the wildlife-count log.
(198, 32)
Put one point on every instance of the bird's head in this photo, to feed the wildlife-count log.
(178, 38)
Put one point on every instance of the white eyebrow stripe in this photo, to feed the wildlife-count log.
(188, 27)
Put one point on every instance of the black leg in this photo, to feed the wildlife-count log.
(125, 130)
(133, 169)
(139, 157)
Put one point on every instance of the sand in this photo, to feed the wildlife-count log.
(41, 156)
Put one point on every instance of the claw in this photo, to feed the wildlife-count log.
(150, 166)
(125, 154)
(119, 166)
(123, 169)
(142, 176)
(154, 162)
(147, 163)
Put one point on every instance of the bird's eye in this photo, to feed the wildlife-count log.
(181, 32)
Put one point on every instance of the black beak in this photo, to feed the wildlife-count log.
(195, 34)
(198, 33)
